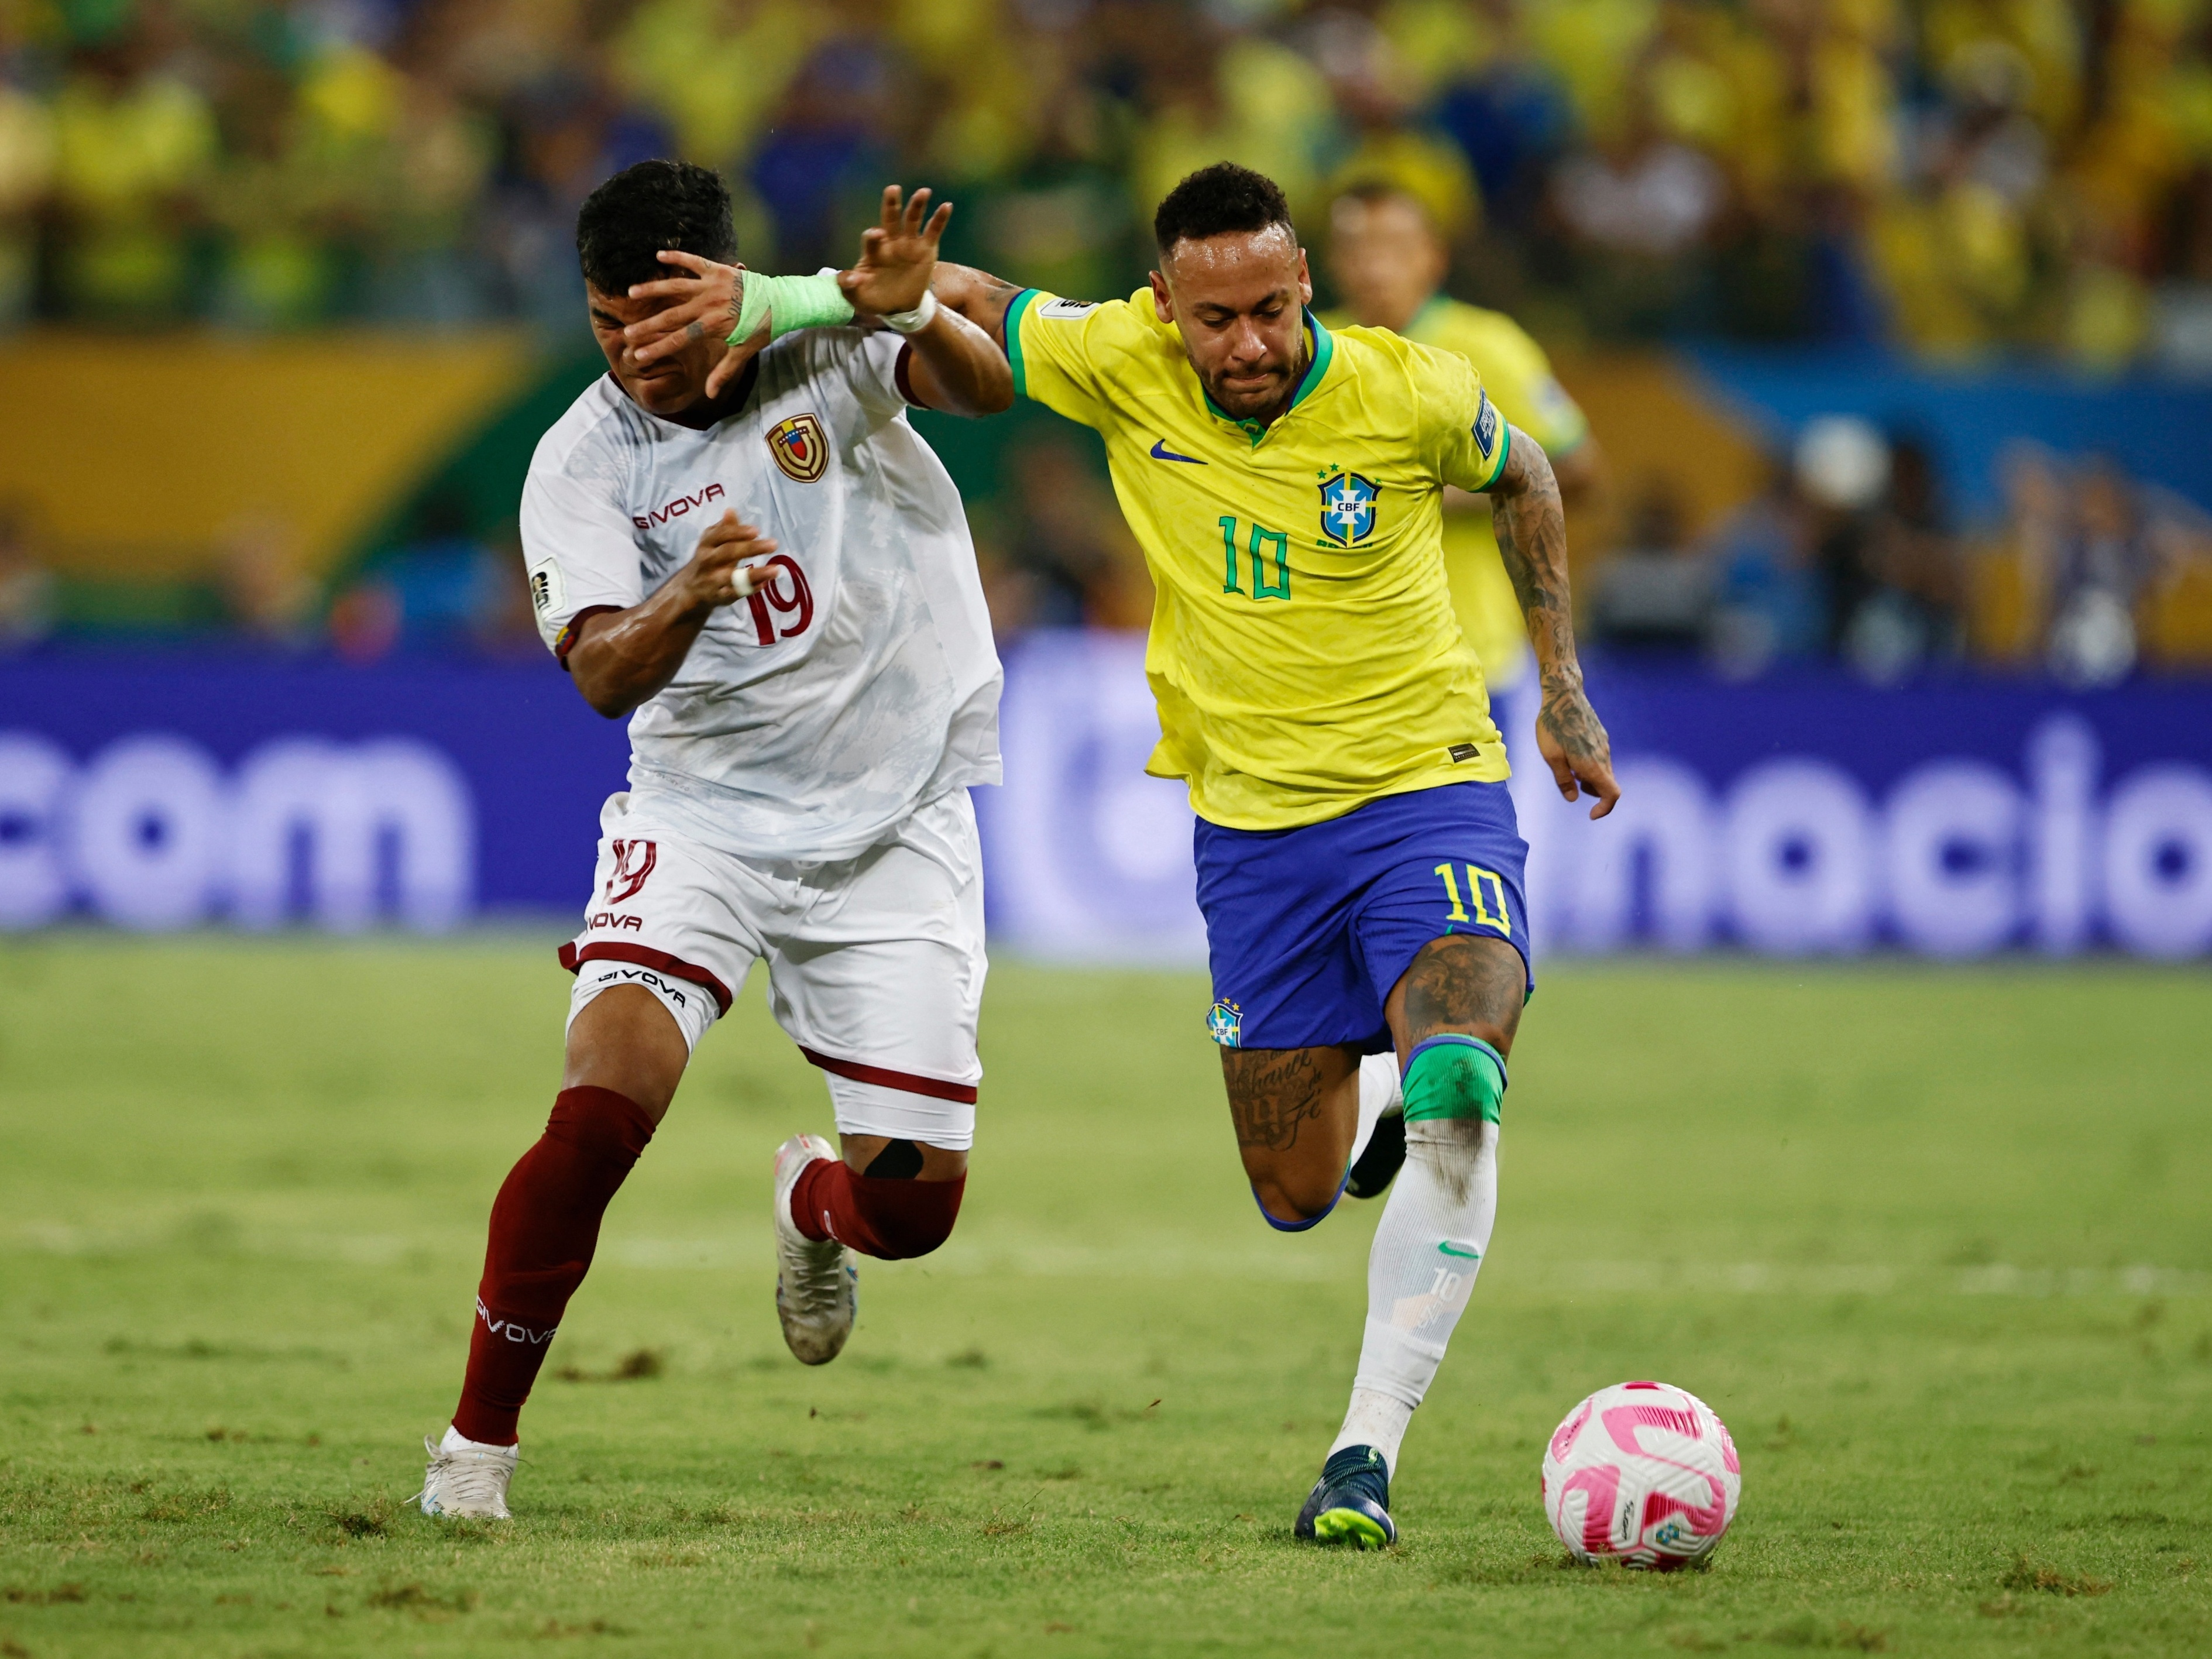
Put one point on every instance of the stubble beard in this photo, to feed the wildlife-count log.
(1258, 405)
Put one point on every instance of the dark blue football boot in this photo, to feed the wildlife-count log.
(1351, 1502)
(1380, 1159)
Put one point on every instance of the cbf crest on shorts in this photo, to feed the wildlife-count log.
(799, 447)
(1225, 1024)
(1347, 508)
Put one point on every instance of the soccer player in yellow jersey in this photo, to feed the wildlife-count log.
(1388, 261)
(1358, 865)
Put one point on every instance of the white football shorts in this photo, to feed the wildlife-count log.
(875, 963)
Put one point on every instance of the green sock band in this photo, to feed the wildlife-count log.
(1455, 1076)
(790, 303)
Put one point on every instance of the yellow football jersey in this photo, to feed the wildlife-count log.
(1304, 650)
(1518, 377)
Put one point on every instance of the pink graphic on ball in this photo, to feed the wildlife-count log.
(1657, 1489)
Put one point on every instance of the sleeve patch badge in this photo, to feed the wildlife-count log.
(800, 447)
(1485, 427)
(548, 593)
(1067, 310)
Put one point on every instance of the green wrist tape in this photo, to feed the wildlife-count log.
(789, 303)
(1454, 1076)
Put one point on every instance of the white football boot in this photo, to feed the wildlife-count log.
(467, 1479)
(817, 1281)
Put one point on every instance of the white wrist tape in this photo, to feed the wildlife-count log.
(913, 322)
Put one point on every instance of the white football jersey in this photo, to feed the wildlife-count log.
(860, 680)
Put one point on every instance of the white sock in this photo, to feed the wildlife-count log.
(1378, 1093)
(1428, 1247)
(454, 1440)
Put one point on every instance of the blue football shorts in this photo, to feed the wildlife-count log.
(1308, 930)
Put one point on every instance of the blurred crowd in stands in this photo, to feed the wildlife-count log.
(1958, 175)
(1852, 552)
(1959, 179)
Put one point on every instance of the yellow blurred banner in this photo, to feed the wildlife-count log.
(150, 457)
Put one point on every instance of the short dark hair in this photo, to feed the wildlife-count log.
(645, 208)
(1217, 200)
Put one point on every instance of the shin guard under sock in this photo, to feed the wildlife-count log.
(890, 1218)
(544, 1226)
(1428, 1247)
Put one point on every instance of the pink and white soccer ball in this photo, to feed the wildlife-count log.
(1643, 1475)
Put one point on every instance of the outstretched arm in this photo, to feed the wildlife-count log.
(957, 367)
(979, 296)
(1532, 538)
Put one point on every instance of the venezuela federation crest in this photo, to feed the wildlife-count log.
(799, 447)
(1347, 508)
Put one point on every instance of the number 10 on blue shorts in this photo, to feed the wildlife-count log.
(1309, 929)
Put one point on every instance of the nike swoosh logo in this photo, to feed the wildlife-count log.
(1162, 453)
(1454, 1249)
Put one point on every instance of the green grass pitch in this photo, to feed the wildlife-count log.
(1938, 1244)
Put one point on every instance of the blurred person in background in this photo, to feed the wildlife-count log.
(136, 146)
(1912, 612)
(26, 174)
(1638, 209)
(1769, 603)
(2090, 571)
(1388, 257)
(502, 624)
(2174, 611)
(26, 586)
(1065, 536)
(1655, 590)
(834, 130)
(267, 597)
(2103, 568)
(2012, 573)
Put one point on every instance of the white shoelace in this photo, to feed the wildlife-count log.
(816, 1285)
(470, 1478)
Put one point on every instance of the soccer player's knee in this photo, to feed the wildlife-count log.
(1455, 1076)
(907, 1217)
(1308, 1198)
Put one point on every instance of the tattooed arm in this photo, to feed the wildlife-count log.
(977, 295)
(1532, 538)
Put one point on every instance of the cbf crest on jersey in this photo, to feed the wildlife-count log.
(1347, 508)
(799, 447)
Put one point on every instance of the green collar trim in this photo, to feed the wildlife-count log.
(1324, 353)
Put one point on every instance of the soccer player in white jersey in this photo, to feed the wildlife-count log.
(743, 546)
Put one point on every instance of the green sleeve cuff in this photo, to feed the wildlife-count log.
(1017, 309)
(1504, 447)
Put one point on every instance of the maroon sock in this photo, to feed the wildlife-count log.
(545, 1223)
(891, 1218)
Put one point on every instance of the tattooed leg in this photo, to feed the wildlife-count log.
(1295, 1111)
(1460, 983)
